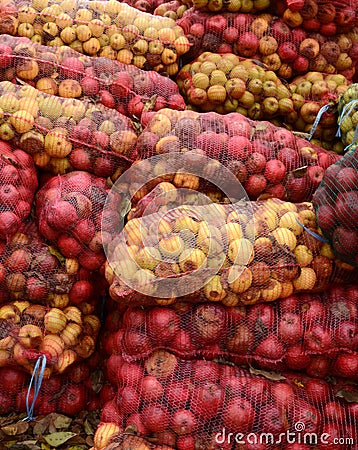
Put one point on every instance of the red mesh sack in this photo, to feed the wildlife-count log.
(69, 213)
(248, 252)
(336, 207)
(64, 72)
(100, 28)
(291, 334)
(316, 97)
(32, 270)
(337, 16)
(252, 7)
(164, 401)
(285, 50)
(29, 330)
(18, 183)
(66, 134)
(266, 159)
(174, 9)
(68, 393)
(226, 83)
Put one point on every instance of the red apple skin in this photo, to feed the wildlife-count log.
(162, 325)
(128, 400)
(5, 55)
(296, 188)
(270, 348)
(311, 25)
(216, 24)
(345, 242)
(248, 44)
(207, 400)
(177, 394)
(155, 418)
(326, 217)
(301, 64)
(287, 52)
(256, 163)
(290, 328)
(151, 389)
(238, 415)
(275, 171)
(255, 185)
(72, 68)
(328, 29)
(205, 371)
(318, 391)
(296, 357)
(346, 365)
(90, 86)
(319, 367)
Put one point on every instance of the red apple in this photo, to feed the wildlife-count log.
(238, 414)
(206, 400)
(248, 44)
(155, 418)
(275, 171)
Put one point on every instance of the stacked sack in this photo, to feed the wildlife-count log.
(192, 274)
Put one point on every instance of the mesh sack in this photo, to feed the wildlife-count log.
(100, 28)
(291, 334)
(18, 183)
(174, 9)
(316, 98)
(66, 134)
(64, 72)
(32, 270)
(266, 159)
(337, 16)
(226, 83)
(246, 253)
(336, 207)
(29, 330)
(69, 213)
(347, 123)
(287, 51)
(196, 404)
(251, 7)
(68, 393)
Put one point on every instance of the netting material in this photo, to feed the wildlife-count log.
(18, 183)
(64, 72)
(292, 334)
(69, 213)
(347, 123)
(169, 402)
(250, 149)
(100, 28)
(336, 206)
(32, 270)
(226, 83)
(285, 50)
(63, 335)
(339, 16)
(67, 393)
(216, 6)
(245, 253)
(66, 134)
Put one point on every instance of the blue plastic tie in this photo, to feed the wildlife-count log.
(312, 233)
(346, 111)
(36, 380)
(318, 119)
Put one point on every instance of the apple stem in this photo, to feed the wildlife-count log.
(36, 380)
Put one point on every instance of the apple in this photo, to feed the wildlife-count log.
(155, 418)
(207, 400)
(238, 414)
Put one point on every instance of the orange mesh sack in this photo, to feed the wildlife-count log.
(29, 330)
(165, 401)
(66, 134)
(315, 333)
(264, 158)
(336, 207)
(69, 213)
(337, 16)
(68, 393)
(64, 72)
(100, 28)
(174, 9)
(287, 50)
(241, 253)
(18, 183)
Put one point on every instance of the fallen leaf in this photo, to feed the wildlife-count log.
(348, 395)
(270, 375)
(41, 426)
(15, 429)
(45, 447)
(62, 421)
(88, 427)
(59, 438)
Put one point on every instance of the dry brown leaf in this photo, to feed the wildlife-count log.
(16, 428)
